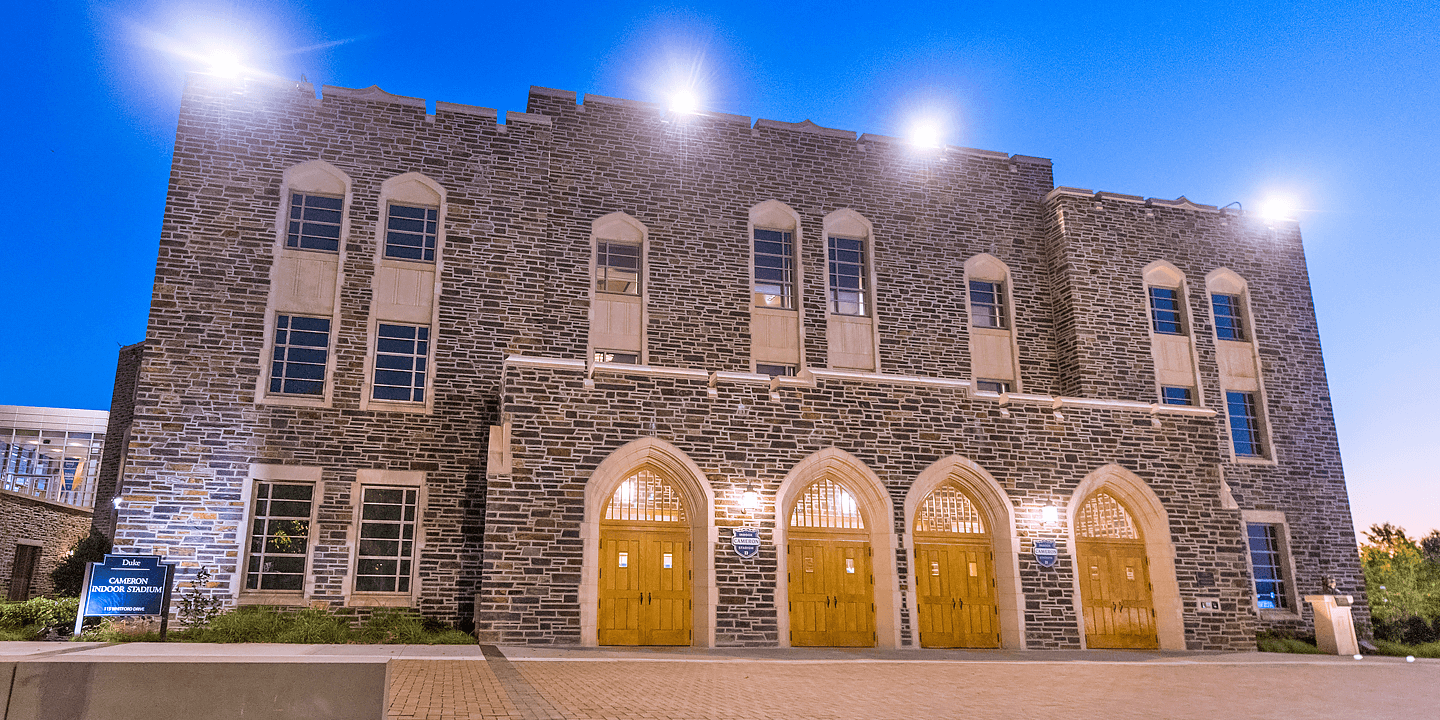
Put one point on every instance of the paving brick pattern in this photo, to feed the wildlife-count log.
(445, 690)
(1205, 688)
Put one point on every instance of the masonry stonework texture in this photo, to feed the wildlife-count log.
(503, 549)
(53, 527)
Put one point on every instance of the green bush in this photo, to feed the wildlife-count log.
(40, 613)
(69, 575)
(259, 624)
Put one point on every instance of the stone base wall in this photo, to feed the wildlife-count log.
(56, 528)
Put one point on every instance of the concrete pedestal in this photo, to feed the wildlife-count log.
(1334, 628)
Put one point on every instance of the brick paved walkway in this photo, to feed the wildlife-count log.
(728, 688)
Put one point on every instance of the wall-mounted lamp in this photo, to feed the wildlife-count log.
(1049, 514)
(116, 501)
(750, 500)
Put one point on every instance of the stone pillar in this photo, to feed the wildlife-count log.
(1334, 629)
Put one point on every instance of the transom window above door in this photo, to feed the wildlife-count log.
(949, 510)
(1102, 516)
(827, 504)
(646, 497)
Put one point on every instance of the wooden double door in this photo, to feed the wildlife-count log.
(645, 581)
(955, 594)
(832, 590)
(1116, 594)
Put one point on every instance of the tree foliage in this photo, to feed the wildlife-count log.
(69, 574)
(1402, 577)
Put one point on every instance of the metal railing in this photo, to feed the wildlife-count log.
(50, 488)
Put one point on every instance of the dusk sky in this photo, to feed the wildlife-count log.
(1332, 109)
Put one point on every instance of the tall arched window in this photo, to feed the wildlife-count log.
(404, 311)
(776, 335)
(619, 289)
(1172, 346)
(993, 349)
(1237, 354)
(851, 318)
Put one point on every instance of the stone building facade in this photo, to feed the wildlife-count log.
(375, 325)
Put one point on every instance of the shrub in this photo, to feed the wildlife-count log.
(198, 608)
(1281, 642)
(69, 575)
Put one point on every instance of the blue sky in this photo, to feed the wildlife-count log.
(1334, 106)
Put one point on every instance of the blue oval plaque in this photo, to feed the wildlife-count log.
(1045, 553)
(746, 542)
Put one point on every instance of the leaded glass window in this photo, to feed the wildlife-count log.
(1266, 559)
(1244, 423)
(1228, 323)
(848, 282)
(302, 345)
(401, 354)
(410, 232)
(987, 304)
(387, 539)
(774, 269)
(315, 222)
(826, 504)
(1102, 516)
(645, 497)
(1165, 311)
(617, 267)
(949, 510)
(279, 536)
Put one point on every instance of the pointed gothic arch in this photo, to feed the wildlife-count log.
(995, 505)
(875, 506)
(1153, 524)
(674, 465)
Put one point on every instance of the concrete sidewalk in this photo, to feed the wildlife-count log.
(184, 680)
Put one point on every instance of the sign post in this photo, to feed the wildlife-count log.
(127, 585)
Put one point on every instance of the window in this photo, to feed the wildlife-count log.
(400, 356)
(774, 370)
(1266, 560)
(987, 304)
(410, 233)
(314, 222)
(774, 269)
(847, 276)
(1172, 395)
(611, 356)
(1244, 423)
(1165, 311)
(387, 539)
(301, 347)
(617, 268)
(1228, 325)
(279, 536)
(992, 386)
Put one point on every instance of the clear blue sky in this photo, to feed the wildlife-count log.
(1333, 105)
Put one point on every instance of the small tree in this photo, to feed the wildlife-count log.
(69, 575)
(1402, 583)
(198, 608)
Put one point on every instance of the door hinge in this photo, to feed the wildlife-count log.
(996, 608)
(787, 548)
(872, 607)
(792, 606)
(1152, 612)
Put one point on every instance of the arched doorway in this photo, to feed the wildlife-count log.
(954, 572)
(645, 572)
(829, 562)
(1116, 594)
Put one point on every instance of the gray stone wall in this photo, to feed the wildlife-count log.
(55, 527)
(521, 198)
(112, 458)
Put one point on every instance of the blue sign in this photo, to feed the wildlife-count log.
(746, 542)
(1045, 553)
(127, 585)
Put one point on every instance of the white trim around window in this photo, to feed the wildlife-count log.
(264, 472)
(404, 480)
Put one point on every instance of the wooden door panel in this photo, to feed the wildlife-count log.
(643, 602)
(958, 604)
(621, 596)
(831, 593)
(1115, 594)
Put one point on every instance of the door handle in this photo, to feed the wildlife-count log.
(649, 598)
(961, 601)
(827, 601)
(952, 604)
(642, 598)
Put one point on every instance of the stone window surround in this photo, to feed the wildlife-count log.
(598, 228)
(266, 472)
(386, 478)
(1292, 591)
(1161, 273)
(846, 222)
(988, 268)
(768, 215)
(321, 177)
(408, 189)
(1226, 281)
